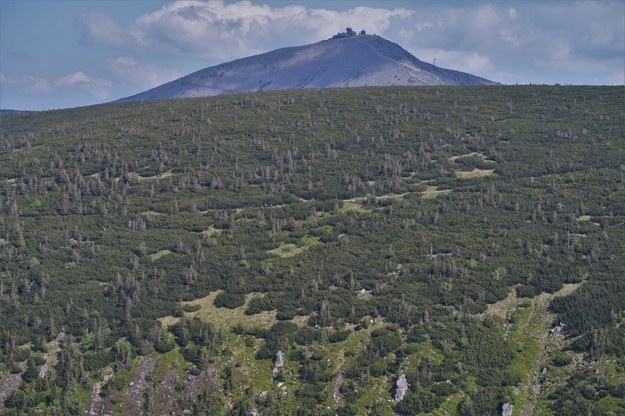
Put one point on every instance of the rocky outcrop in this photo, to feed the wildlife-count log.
(7, 386)
(279, 362)
(401, 387)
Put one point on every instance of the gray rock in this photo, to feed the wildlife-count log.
(279, 359)
(401, 388)
(279, 362)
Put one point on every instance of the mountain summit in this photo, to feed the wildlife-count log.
(347, 59)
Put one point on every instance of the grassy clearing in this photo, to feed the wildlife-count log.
(453, 158)
(211, 231)
(449, 406)
(532, 324)
(161, 176)
(396, 197)
(475, 173)
(502, 308)
(152, 213)
(433, 192)
(51, 355)
(223, 316)
(287, 250)
(567, 289)
(300, 319)
(247, 371)
(530, 333)
(352, 205)
(424, 350)
(379, 391)
(159, 254)
(310, 240)
(172, 360)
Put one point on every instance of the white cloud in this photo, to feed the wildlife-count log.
(508, 36)
(80, 82)
(100, 29)
(219, 31)
(492, 37)
(142, 75)
(76, 82)
(471, 62)
(474, 62)
(79, 77)
(530, 39)
(32, 85)
(27, 84)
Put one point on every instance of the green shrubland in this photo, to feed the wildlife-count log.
(377, 225)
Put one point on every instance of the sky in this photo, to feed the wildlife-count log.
(60, 53)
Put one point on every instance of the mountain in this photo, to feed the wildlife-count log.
(347, 60)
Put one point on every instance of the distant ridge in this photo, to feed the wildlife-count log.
(9, 111)
(346, 60)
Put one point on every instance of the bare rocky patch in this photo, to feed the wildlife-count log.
(96, 403)
(8, 385)
(166, 392)
(139, 384)
(195, 385)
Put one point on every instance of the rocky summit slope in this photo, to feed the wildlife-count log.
(350, 61)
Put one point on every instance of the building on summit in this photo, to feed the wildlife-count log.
(349, 32)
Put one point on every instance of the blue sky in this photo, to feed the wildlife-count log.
(59, 54)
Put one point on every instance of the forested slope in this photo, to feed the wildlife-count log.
(299, 252)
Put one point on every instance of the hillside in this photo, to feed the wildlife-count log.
(352, 61)
(306, 251)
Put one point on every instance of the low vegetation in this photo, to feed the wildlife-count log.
(298, 252)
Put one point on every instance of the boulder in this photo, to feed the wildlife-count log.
(401, 387)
